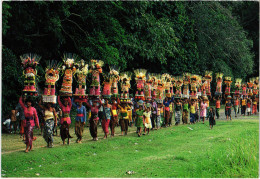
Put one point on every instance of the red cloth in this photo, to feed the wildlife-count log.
(254, 108)
(105, 124)
(29, 113)
(218, 104)
(94, 110)
(23, 123)
(115, 105)
(65, 110)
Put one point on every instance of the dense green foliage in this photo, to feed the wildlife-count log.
(230, 150)
(173, 37)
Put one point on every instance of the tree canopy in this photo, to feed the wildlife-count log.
(172, 37)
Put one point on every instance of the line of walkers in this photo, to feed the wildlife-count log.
(144, 115)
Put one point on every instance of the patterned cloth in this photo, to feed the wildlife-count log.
(185, 117)
(105, 124)
(158, 121)
(203, 111)
(65, 111)
(177, 116)
(93, 126)
(79, 128)
(48, 131)
(192, 117)
(124, 125)
(139, 120)
(28, 133)
(113, 123)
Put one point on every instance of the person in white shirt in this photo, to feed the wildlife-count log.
(147, 119)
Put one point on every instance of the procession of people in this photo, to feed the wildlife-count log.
(160, 100)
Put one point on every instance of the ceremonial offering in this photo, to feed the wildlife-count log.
(228, 85)
(168, 84)
(186, 82)
(140, 77)
(172, 85)
(51, 76)
(106, 93)
(178, 85)
(125, 79)
(193, 84)
(95, 70)
(244, 89)
(69, 70)
(114, 78)
(199, 86)
(208, 78)
(238, 85)
(29, 63)
(219, 84)
(250, 87)
(256, 86)
(81, 74)
(154, 84)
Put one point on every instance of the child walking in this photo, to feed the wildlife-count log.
(158, 115)
(212, 120)
(139, 117)
(147, 119)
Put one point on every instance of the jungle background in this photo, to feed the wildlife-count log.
(172, 37)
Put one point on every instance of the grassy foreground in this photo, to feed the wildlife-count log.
(229, 150)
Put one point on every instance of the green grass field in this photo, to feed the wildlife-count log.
(231, 149)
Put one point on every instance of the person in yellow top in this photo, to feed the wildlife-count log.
(171, 113)
(243, 106)
(124, 117)
(147, 119)
(254, 109)
(193, 109)
(50, 119)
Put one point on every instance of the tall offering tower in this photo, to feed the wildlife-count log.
(186, 82)
(51, 76)
(114, 78)
(219, 77)
(256, 86)
(238, 86)
(69, 70)
(194, 84)
(81, 74)
(29, 63)
(95, 70)
(140, 77)
(178, 85)
(125, 79)
(228, 85)
(208, 77)
(250, 87)
(148, 88)
(168, 84)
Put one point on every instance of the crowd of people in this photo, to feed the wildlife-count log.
(146, 116)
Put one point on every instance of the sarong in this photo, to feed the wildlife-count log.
(105, 124)
(79, 128)
(48, 131)
(28, 133)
